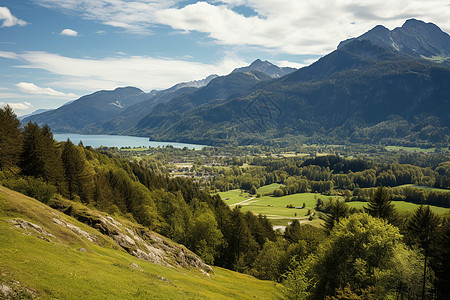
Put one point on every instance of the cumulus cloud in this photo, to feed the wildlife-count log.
(31, 88)
(145, 72)
(9, 19)
(17, 105)
(69, 32)
(294, 27)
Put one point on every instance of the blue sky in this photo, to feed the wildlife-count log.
(54, 51)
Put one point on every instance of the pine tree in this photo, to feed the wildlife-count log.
(10, 139)
(422, 228)
(32, 156)
(40, 156)
(53, 169)
(380, 205)
(73, 163)
(293, 231)
(338, 211)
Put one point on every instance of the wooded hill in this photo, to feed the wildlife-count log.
(377, 254)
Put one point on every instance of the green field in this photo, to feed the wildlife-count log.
(401, 205)
(56, 269)
(275, 207)
(234, 196)
(268, 189)
(409, 149)
(427, 188)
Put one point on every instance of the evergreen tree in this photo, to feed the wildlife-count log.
(32, 159)
(337, 211)
(380, 205)
(40, 156)
(292, 232)
(10, 139)
(53, 168)
(422, 229)
(73, 163)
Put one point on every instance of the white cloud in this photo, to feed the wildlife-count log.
(287, 26)
(8, 19)
(69, 32)
(31, 88)
(17, 106)
(88, 74)
(6, 54)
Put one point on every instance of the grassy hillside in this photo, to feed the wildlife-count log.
(41, 258)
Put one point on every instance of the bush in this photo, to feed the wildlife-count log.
(32, 187)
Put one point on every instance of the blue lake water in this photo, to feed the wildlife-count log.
(118, 141)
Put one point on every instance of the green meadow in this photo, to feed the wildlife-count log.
(401, 205)
(410, 149)
(268, 189)
(275, 207)
(232, 197)
(56, 269)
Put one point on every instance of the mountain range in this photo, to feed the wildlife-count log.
(383, 86)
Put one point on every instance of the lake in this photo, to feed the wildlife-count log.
(118, 141)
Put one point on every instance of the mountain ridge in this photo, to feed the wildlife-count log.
(265, 67)
(414, 37)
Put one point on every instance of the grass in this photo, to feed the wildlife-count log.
(402, 205)
(410, 149)
(284, 222)
(268, 189)
(56, 269)
(275, 207)
(427, 188)
(234, 196)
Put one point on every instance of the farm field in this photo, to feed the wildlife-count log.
(410, 149)
(275, 207)
(268, 188)
(427, 188)
(402, 205)
(234, 196)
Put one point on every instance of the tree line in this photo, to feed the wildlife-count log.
(354, 179)
(33, 163)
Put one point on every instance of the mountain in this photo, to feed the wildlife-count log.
(95, 107)
(129, 117)
(382, 87)
(218, 90)
(76, 252)
(415, 38)
(363, 92)
(195, 83)
(36, 112)
(266, 68)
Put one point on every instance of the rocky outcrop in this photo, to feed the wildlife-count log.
(135, 239)
(31, 227)
(75, 229)
(15, 291)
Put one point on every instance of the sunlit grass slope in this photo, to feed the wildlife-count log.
(37, 264)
